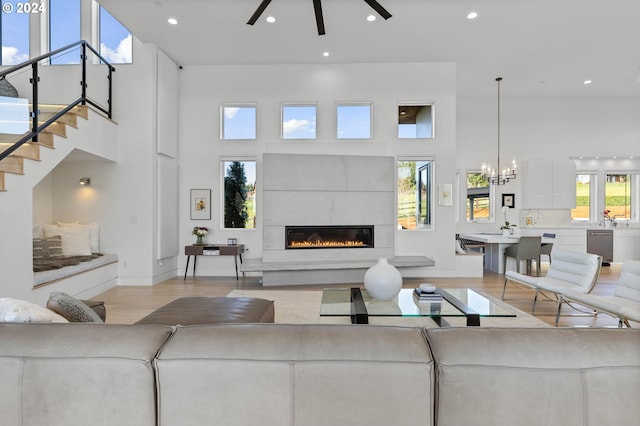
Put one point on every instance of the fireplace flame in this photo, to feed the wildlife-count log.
(298, 244)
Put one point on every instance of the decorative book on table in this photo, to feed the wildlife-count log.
(425, 296)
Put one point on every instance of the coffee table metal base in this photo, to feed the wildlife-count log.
(360, 315)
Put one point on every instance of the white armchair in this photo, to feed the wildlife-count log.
(569, 270)
(623, 304)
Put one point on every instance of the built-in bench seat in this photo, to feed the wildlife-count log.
(319, 271)
(45, 277)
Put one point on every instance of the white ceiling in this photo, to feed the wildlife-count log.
(541, 47)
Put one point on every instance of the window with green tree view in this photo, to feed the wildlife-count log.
(585, 188)
(239, 194)
(415, 189)
(617, 193)
(478, 197)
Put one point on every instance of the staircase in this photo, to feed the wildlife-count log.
(14, 149)
(14, 163)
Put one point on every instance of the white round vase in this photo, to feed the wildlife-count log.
(383, 281)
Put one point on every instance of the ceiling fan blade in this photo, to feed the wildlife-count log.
(378, 8)
(317, 5)
(258, 12)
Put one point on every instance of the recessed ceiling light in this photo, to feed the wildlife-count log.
(271, 19)
(325, 54)
(172, 21)
(371, 18)
(588, 82)
(472, 15)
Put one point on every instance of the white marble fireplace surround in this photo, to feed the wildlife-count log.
(314, 190)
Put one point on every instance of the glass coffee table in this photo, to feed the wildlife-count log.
(456, 302)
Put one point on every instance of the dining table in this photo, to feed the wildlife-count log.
(495, 245)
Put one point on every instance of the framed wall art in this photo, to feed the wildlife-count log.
(445, 194)
(200, 204)
(509, 200)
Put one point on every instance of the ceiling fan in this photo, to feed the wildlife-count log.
(317, 5)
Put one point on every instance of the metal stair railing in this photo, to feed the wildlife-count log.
(83, 99)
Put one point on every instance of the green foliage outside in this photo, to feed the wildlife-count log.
(617, 199)
(235, 196)
(481, 206)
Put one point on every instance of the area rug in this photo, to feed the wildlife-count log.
(303, 307)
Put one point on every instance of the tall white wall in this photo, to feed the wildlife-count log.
(124, 200)
(204, 88)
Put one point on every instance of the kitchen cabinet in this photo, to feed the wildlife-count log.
(626, 241)
(548, 184)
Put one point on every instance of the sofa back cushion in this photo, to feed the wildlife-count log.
(280, 374)
(78, 374)
(530, 377)
(580, 269)
(629, 284)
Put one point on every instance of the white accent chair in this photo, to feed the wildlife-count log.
(569, 271)
(623, 304)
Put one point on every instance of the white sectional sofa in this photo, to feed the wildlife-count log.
(312, 375)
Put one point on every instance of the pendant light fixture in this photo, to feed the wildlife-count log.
(499, 176)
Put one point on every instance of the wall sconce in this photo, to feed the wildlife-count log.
(85, 181)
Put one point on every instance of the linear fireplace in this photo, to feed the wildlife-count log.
(315, 237)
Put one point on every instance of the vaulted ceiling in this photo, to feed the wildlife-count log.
(542, 48)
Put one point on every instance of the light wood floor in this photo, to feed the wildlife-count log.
(128, 304)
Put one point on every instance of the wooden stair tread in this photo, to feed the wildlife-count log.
(28, 150)
(13, 165)
(79, 110)
(68, 119)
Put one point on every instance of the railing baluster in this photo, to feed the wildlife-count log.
(109, 100)
(35, 108)
(84, 73)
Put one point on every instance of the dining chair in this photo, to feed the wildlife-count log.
(545, 249)
(528, 249)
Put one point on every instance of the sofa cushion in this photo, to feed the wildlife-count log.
(93, 230)
(281, 374)
(79, 374)
(48, 248)
(71, 308)
(530, 377)
(15, 310)
(75, 241)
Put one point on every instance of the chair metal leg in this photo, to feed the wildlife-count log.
(560, 301)
(504, 288)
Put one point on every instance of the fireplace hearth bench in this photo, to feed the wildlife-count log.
(324, 271)
(312, 375)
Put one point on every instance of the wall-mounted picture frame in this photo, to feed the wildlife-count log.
(445, 194)
(528, 221)
(200, 204)
(509, 200)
